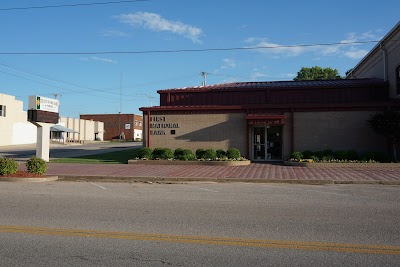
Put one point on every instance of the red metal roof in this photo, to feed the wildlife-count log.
(343, 83)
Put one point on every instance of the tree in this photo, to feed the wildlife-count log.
(388, 125)
(317, 73)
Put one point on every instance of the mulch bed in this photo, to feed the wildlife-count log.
(23, 174)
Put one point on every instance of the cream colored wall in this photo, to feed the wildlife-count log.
(14, 127)
(86, 129)
(373, 66)
(215, 131)
(335, 130)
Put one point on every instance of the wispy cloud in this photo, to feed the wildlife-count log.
(345, 47)
(156, 22)
(228, 64)
(114, 33)
(274, 49)
(101, 59)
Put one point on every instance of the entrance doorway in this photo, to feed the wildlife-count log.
(266, 143)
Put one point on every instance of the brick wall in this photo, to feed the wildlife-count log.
(335, 130)
(114, 124)
(194, 131)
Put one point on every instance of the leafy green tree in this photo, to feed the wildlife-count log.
(388, 125)
(317, 73)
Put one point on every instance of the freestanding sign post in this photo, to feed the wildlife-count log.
(43, 112)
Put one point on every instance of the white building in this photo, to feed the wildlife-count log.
(16, 130)
(14, 126)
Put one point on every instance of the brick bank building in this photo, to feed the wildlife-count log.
(267, 121)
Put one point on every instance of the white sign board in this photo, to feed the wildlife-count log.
(43, 103)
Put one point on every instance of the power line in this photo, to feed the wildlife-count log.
(71, 5)
(187, 50)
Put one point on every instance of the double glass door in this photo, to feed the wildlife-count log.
(267, 143)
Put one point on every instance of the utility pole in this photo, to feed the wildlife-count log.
(149, 96)
(204, 74)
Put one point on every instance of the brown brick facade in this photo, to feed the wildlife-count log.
(194, 131)
(115, 124)
(335, 130)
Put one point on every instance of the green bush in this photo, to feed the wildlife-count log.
(341, 155)
(145, 153)
(8, 166)
(162, 153)
(210, 154)
(297, 155)
(221, 153)
(233, 153)
(200, 153)
(188, 155)
(352, 155)
(36, 165)
(183, 154)
(307, 154)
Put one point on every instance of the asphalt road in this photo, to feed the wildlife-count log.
(198, 224)
(24, 152)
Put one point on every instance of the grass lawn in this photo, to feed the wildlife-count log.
(116, 157)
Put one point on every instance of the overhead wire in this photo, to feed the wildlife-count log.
(71, 5)
(187, 50)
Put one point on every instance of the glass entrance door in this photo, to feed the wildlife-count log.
(267, 143)
(259, 143)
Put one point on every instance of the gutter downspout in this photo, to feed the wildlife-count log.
(385, 62)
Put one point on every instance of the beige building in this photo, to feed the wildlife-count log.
(16, 130)
(268, 121)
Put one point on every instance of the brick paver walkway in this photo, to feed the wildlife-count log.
(253, 172)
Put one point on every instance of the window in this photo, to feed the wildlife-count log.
(2, 111)
(140, 123)
(398, 79)
(135, 123)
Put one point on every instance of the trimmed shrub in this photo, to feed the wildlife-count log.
(297, 155)
(352, 155)
(183, 154)
(8, 166)
(200, 153)
(145, 153)
(307, 154)
(233, 153)
(178, 153)
(188, 155)
(221, 153)
(341, 155)
(162, 153)
(210, 154)
(36, 165)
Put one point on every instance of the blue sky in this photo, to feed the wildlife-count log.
(112, 83)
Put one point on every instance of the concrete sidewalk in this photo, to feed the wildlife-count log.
(255, 172)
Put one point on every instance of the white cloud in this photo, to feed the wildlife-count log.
(346, 47)
(356, 53)
(258, 75)
(155, 22)
(228, 64)
(275, 49)
(101, 59)
(115, 33)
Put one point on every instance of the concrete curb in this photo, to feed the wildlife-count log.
(217, 180)
(35, 179)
